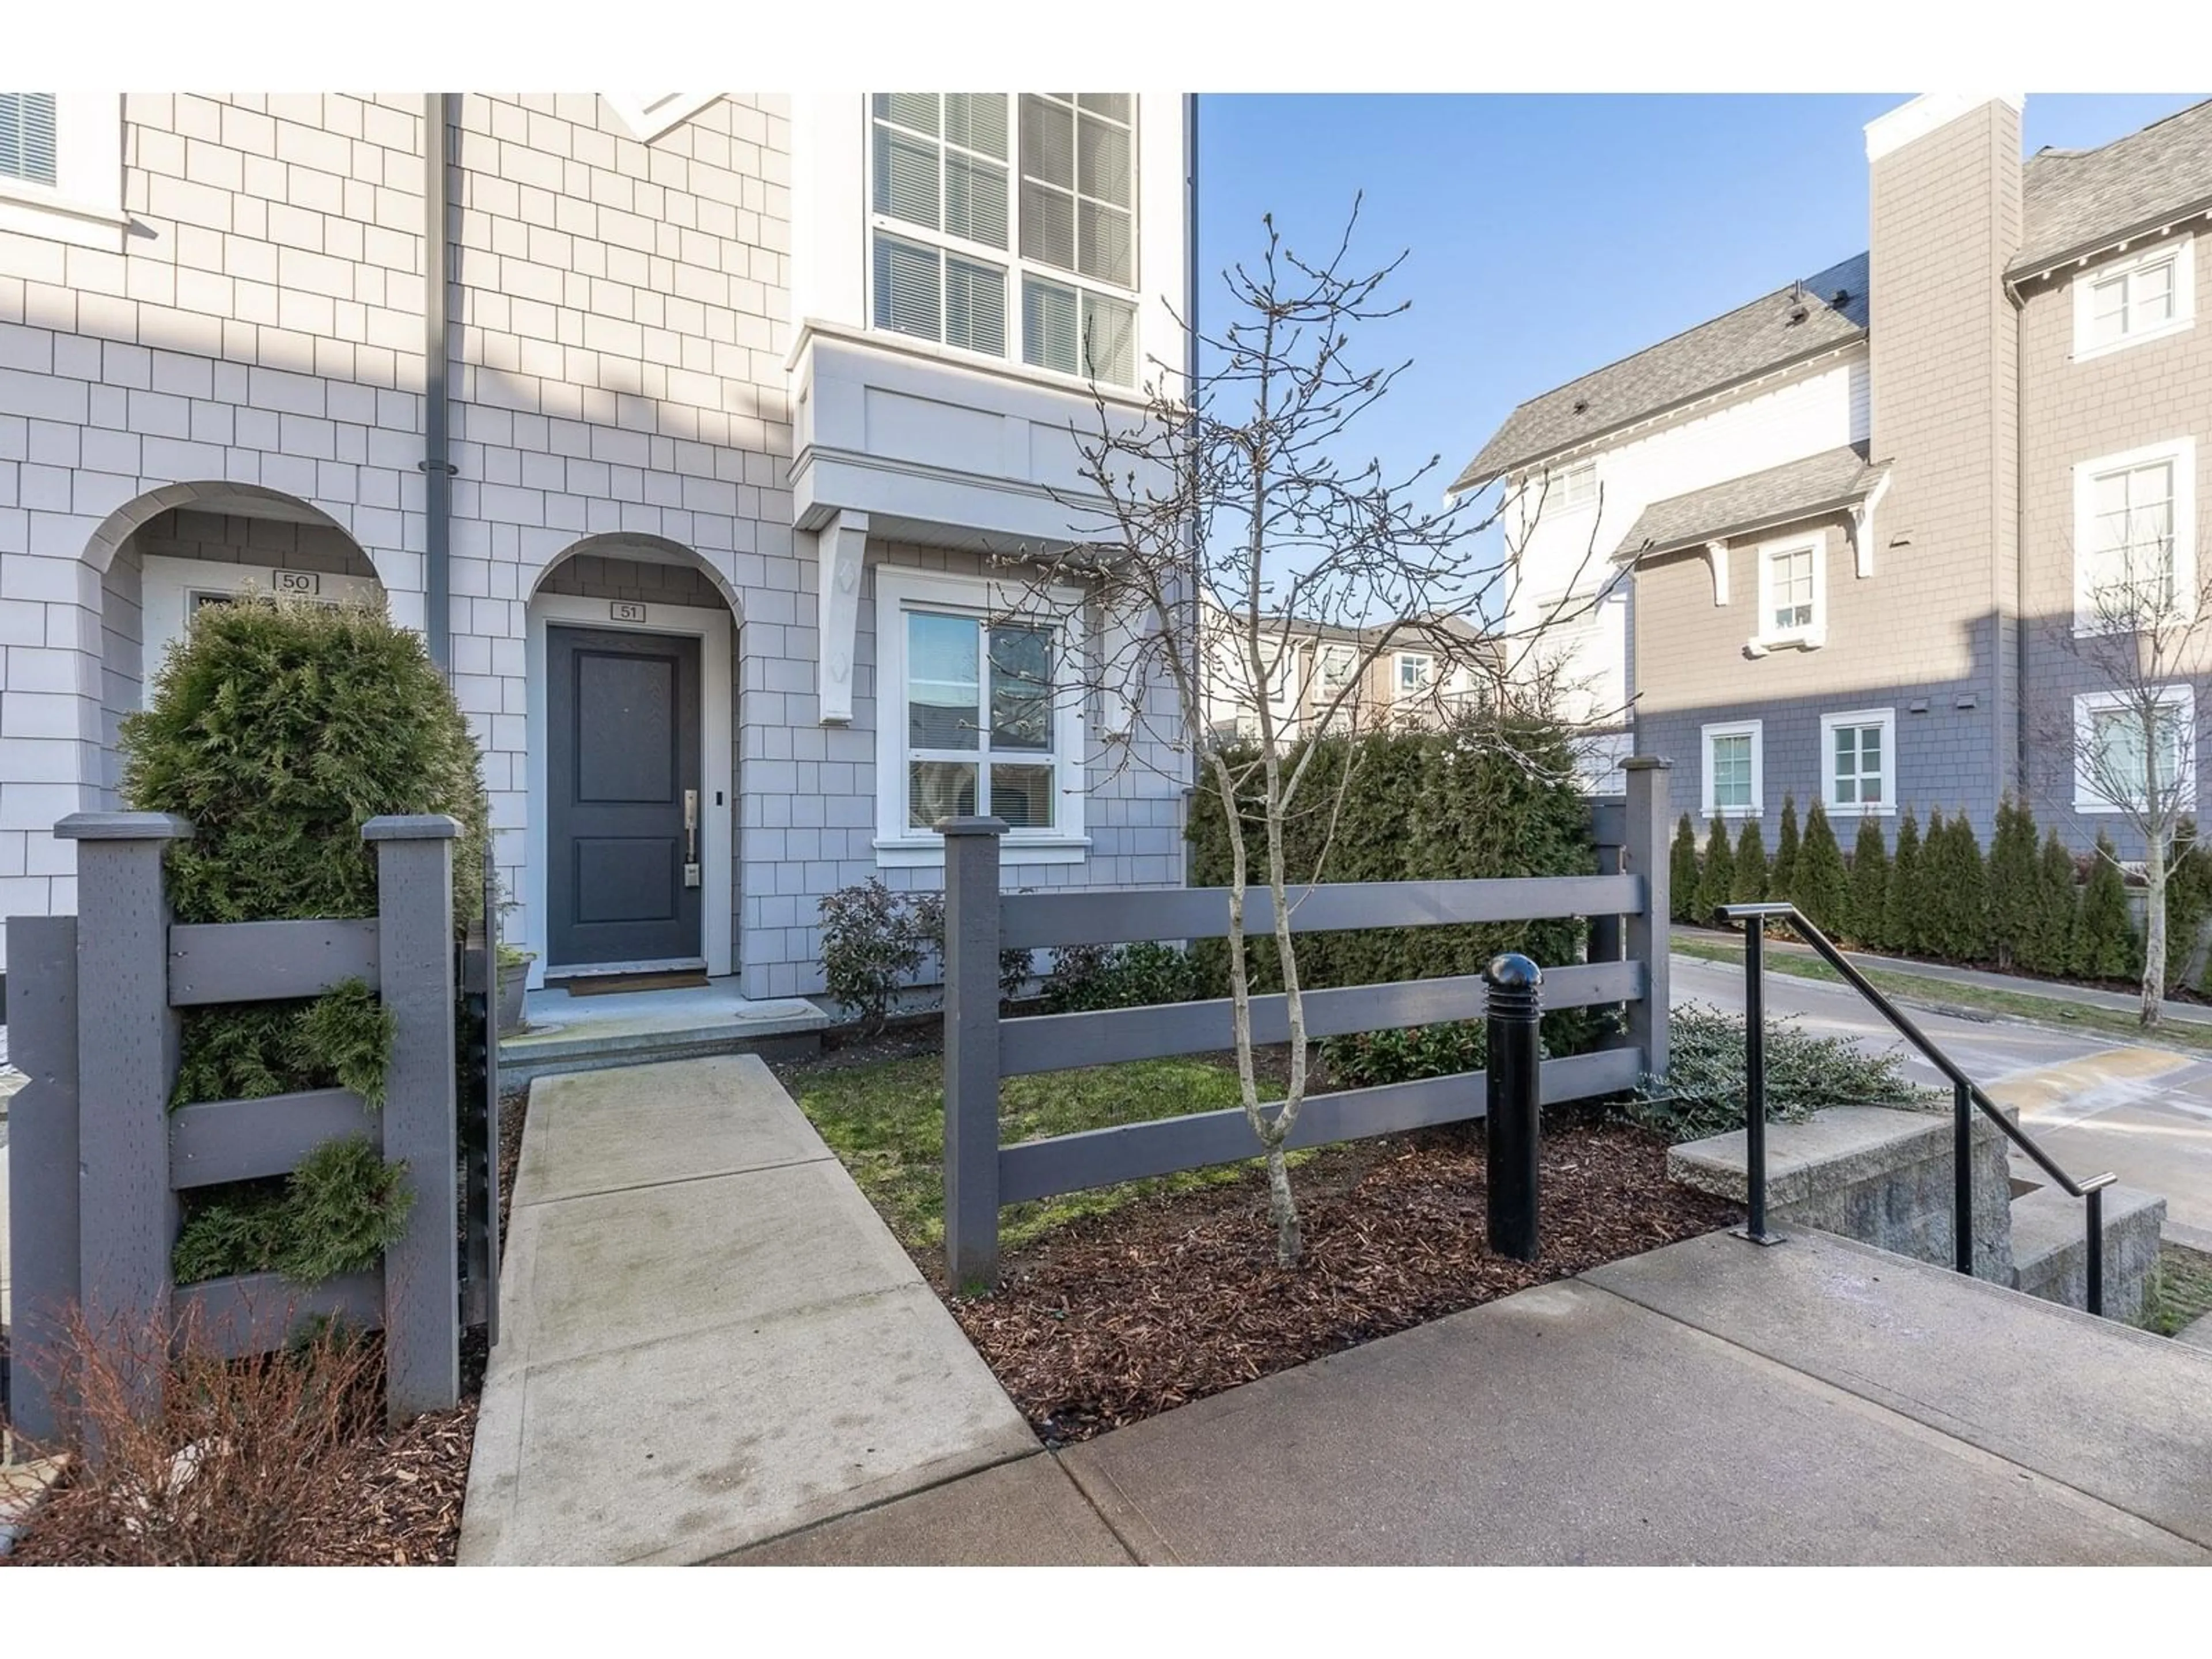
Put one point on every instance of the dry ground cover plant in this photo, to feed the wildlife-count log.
(282, 1460)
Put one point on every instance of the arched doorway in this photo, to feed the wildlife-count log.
(631, 765)
(169, 554)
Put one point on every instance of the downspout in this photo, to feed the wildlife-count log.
(2022, 727)
(436, 463)
(1190, 381)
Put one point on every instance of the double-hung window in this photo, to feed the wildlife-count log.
(973, 718)
(1415, 672)
(2134, 514)
(1789, 594)
(1859, 761)
(2135, 749)
(28, 149)
(1573, 487)
(1007, 225)
(1733, 765)
(2142, 297)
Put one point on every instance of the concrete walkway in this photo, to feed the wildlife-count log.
(1714, 1403)
(710, 1340)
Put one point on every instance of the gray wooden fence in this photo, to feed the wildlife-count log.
(1626, 902)
(97, 1158)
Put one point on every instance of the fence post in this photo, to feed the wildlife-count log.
(415, 957)
(1645, 853)
(971, 1052)
(1512, 1122)
(43, 1239)
(126, 1037)
(1607, 818)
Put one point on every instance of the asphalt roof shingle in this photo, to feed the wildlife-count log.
(2071, 198)
(1796, 490)
(1748, 341)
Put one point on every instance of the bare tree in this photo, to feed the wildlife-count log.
(1231, 520)
(2142, 636)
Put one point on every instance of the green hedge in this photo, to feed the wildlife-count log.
(1454, 805)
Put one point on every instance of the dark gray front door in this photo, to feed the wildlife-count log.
(623, 726)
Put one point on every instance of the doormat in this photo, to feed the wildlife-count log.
(602, 985)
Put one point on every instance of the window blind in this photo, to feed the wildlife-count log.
(26, 137)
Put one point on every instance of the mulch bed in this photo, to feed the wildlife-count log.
(390, 1498)
(1121, 1317)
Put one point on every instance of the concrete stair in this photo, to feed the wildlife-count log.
(2050, 1248)
(639, 1027)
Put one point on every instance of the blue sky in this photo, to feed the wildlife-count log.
(1550, 235)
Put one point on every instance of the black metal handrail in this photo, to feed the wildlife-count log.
(1966, 1095)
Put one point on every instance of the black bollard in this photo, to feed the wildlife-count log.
(1510, 1130)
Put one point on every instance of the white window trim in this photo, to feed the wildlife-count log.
(2182, 250)
(1399, 691)
(2087, 798)
(647, 115)
(1555, 492)
(1886, 719)
(1813, 635)
(1010, 258)
(84, 204)
(896, 845)
(1755, 729)
(168, 585)
(2182, 453)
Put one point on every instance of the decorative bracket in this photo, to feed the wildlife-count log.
(1717, 559)
(1863, 527)
(840, 549)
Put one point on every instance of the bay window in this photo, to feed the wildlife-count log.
(973, 193)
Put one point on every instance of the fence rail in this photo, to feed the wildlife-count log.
(98, 1159)
(1627, 904)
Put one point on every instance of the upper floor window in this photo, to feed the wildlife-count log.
(1791, 603)
(2134, 520)
(2140, 297)
(1574, 487)
(1415, 672)
(26, 137)
(1007, 225)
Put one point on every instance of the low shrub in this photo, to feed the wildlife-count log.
(1702, 1092)
(228, 1473)
(1138, 975)
(875, 942)
(1683, 871)
(247, 1051)
(1365, 1059)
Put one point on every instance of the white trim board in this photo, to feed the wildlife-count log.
(714, 630)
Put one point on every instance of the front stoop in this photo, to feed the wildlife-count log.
(2050, 1248)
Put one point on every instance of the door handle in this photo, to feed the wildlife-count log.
(690, 837)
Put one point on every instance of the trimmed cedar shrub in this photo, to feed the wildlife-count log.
(2050, 943)
(2012, 883)
(1749, 886)
(1683, 871)
(1421, 805)
(1868, 893)
(1718, 881)
(1900, 923)
(1956, 884)
(1818, 887)
(2188, 899)
(2104, 944)
(279, 729)
(1784, 869)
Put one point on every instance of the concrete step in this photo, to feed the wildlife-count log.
(639, 1027)
(2050, 1248)
(2113, 1413)
(2196, 1334)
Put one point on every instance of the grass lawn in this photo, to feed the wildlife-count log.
(2180, 1290)
(885, 1122)
(1925, 992)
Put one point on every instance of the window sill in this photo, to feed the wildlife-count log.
(2166, 332)
(1764, 645)
(1847, 810)
(1730, 814)
(927, 852)
(29, 210)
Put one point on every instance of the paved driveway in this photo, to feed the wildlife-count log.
(2094, 1102)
